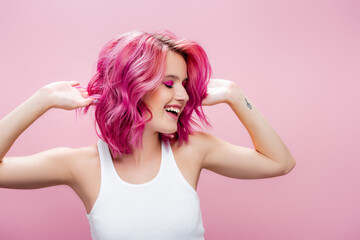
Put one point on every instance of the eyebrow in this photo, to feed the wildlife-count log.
(175, 77)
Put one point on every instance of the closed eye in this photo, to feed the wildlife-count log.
(168, 84)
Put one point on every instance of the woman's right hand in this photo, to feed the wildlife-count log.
(67, 95)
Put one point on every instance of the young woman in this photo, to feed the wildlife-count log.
(139, 180)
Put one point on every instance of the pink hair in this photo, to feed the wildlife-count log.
(132, 65)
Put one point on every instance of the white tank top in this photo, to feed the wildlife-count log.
(166, 207)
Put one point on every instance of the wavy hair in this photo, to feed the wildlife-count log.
(133, 65)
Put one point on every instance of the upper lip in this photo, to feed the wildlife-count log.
(174, 105)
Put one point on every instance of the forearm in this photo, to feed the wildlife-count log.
(264, 137)
(12, 125)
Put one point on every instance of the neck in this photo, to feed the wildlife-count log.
(150, 151)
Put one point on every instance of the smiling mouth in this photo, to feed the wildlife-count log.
(172, 112)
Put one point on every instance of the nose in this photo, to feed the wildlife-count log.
(181, 94)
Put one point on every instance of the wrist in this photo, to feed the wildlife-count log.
(234, 94)
(42, 99)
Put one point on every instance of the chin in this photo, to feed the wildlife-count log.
(168, 130)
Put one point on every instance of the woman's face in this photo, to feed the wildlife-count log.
(169, 99)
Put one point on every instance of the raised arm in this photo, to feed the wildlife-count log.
(46, 168)
(270, 157)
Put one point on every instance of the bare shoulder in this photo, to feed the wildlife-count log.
(84, 163)
(201, 138)
(86, 174)
(196, 147)
(85, 155)
(201, 141)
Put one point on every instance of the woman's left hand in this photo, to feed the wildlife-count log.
(218, 91)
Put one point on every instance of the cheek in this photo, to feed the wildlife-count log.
(161, 97)
(155, 102)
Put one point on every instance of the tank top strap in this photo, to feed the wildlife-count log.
(173, 170)
(106, 162)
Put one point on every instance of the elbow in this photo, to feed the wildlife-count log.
(290, 164)
(286, 167)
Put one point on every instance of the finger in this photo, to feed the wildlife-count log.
(85, 94)
(73, 83)
(85, 102)
(81, 89)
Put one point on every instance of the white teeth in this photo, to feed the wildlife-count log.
(173, 109)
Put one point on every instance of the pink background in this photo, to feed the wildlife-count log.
(298, 61)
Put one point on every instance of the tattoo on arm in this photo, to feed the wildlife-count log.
(248, 104)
